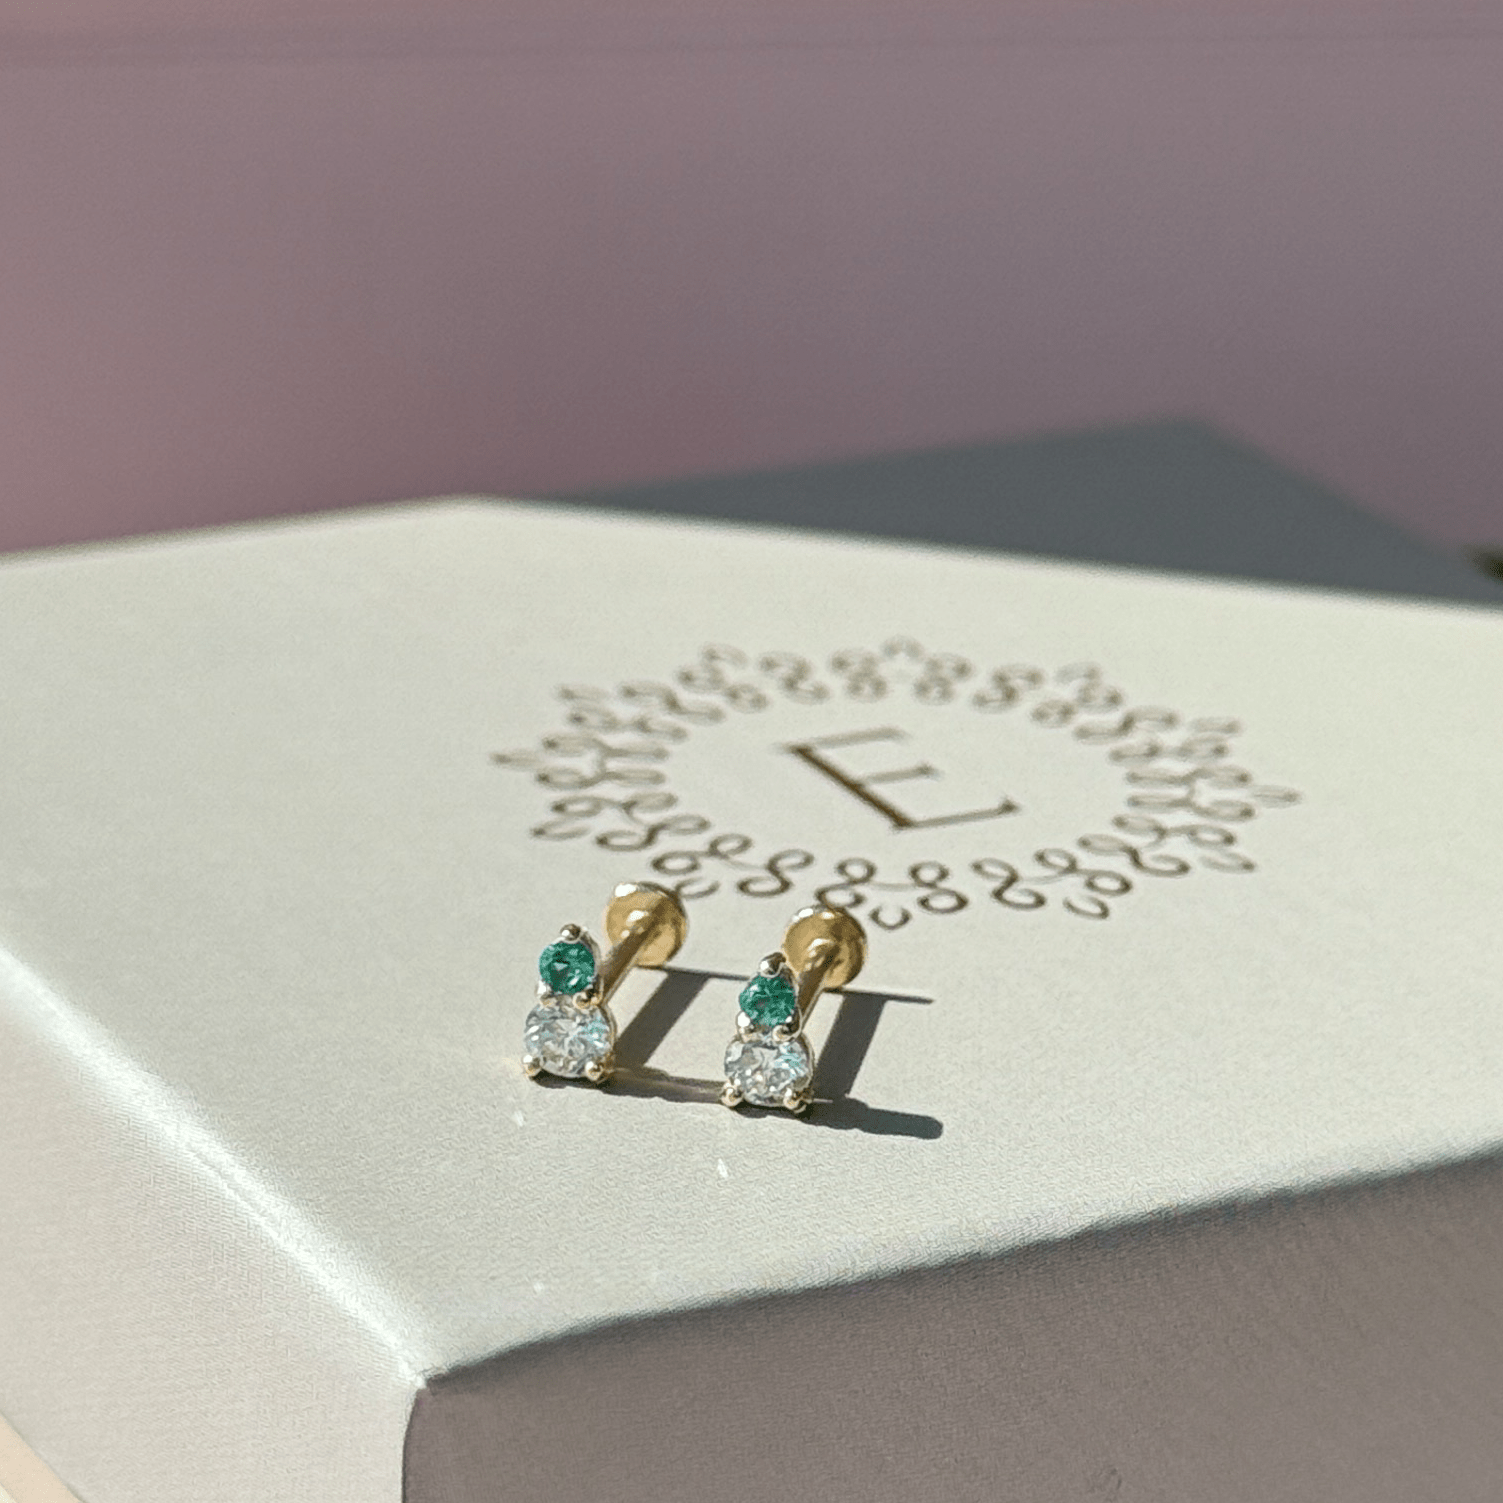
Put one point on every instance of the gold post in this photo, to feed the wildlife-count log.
(619, 959)
(645, 925)
(826, 948)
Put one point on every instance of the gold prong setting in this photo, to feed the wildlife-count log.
(769, 1063)
(764, 1070)
(569, 1032)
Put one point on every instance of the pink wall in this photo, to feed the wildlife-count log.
(324, 253)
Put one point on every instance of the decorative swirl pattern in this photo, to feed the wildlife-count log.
(768, 879)
(1173, 769)
(856, 880)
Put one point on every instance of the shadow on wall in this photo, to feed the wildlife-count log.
(1490, 560)
(1173, 495)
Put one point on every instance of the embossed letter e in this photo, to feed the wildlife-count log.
(864, 786)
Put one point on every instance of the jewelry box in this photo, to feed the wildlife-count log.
(1153, 1149)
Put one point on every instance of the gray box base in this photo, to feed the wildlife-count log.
(1345, 1347)
(1154, 496)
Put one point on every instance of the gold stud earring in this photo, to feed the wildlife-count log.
(769, 1062)
(570, 1031)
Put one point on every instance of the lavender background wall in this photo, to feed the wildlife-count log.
(266, 257)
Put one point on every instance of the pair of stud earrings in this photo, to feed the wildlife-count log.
(570, 1031)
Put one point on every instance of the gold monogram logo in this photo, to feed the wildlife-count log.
(1182, 795)
(865, 785)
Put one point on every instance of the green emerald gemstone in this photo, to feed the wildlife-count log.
(768, 1000)
(567, 966)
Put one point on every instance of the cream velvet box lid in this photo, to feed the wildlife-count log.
(1182, 895)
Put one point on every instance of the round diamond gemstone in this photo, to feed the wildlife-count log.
(567, 965)
(768, 1000)
(565, 1038)
(763, 1071)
